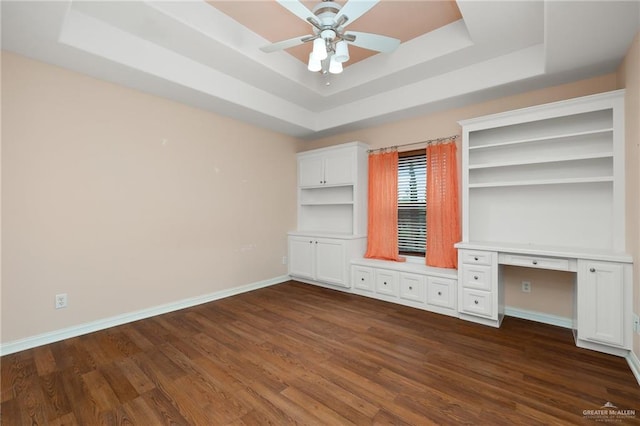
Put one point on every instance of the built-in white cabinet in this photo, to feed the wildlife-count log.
(332, 190)
(549, 175)
(410, 284)
(543, 187)
(332, 201)
(325, 260)
(327, 168)
(479, 292)
(604, 297)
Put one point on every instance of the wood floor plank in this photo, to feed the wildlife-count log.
(299, 354)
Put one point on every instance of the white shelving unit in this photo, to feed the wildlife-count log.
(543, 187)
(547, 175)
(332, 214)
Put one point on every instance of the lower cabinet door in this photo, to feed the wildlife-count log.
(600, 302)
(477, 302)
(331, 261)
(302, 257)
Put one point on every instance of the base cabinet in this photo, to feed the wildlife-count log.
(479, 292)
(322, 259)
(431, 289)
(602, 295)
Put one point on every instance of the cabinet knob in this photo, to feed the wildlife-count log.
(310, 242)
(475, 277)
(475, 258)
(361, 279)
(475, 301)
(535, 262)
(316, 242)
(410, 288)
(592, 269)
(385, 283)
(439, 293)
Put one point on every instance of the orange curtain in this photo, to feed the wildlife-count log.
(443, 214)
(382, 238)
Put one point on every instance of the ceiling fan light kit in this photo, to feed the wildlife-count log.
(315, 64)
(330, 40)
(319, 49)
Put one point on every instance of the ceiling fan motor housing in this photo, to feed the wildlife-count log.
(326, 12)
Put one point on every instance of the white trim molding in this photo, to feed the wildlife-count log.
(90, 327)
(634, 364)
(539, 317)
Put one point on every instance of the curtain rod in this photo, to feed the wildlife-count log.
(428, 142)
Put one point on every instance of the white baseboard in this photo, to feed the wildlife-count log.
(538, 317)
(90, 327)
(634, 364)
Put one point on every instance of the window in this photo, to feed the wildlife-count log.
(412, 203)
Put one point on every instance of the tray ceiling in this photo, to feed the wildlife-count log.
(206, 54)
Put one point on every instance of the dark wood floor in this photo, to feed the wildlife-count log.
(295, 353)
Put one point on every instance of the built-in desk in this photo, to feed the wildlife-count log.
(603, 299)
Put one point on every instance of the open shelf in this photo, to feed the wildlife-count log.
(548, 175)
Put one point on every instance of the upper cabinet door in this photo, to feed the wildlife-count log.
(311, 171)
(336, 168)
(339, 168)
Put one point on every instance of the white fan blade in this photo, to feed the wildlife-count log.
(297, 8)
(375, 42)
(285, 44)
(355, 9)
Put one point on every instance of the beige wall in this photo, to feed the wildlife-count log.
(629, 78)
(545, 285)
(126, 201)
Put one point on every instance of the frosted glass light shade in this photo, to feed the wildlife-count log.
(319, 49)
(335, 67)
(342, 51)
(315, 64)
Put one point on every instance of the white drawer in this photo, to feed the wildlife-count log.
(413, 287)
(362, 278)
(556, 263)
(477, 257)
(387, 282)
(477, 302)
(441, 292)
(477, 277)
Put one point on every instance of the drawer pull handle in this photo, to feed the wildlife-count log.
(475, 301)
(592, 269)
(385, 283)
(535, 262)
(475, 277)
(410, 288)
(361, 279)
(439, 293)
(475, 258)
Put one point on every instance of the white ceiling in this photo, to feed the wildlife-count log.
(191, 52)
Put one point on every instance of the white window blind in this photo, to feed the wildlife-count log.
(412, 203)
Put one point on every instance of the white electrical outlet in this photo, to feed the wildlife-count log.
(61, 300)
(526, 286)
(284, 260)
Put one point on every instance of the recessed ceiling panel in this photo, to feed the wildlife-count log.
(404, 20)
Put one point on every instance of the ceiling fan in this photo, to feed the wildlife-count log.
(330, 39)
